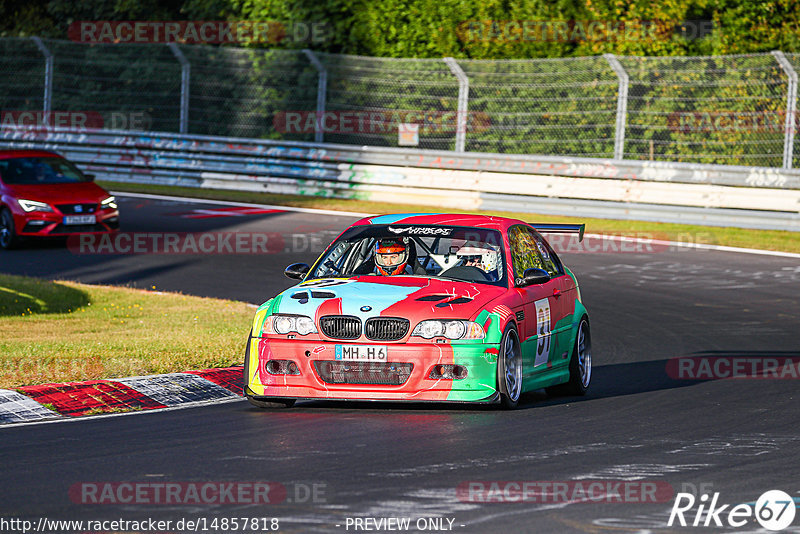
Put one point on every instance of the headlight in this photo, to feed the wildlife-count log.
(454, 329)
(109, 203)
(450, 329)
(33, 205)
(304, 325)
(283, 325)
(286, 324)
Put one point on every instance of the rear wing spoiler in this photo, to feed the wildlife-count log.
(547, 228)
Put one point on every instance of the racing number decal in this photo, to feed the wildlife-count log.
(543, 331)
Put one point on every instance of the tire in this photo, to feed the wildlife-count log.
(8, 234)
(580, 365)
(509, 368)
(265, 402)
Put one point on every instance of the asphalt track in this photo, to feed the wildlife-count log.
(738, 437)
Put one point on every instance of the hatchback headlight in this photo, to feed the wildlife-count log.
(34, 205)
(451, 329)
(286, 324)
(109, 203)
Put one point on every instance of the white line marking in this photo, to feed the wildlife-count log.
(716, 248)
(191, 200)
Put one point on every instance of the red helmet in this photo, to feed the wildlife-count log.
(391, 256)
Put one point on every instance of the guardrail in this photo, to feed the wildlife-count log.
(756, 197)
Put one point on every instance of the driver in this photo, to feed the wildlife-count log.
(391, 257)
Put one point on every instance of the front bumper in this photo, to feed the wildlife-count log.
(479, 359)
(51, 224)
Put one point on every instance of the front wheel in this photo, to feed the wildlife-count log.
(580, 366)
(509, 368)
(8, 234)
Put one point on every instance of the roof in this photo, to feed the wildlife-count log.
(11, 154)
(450, 219)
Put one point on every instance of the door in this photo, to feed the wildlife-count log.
(540, 312)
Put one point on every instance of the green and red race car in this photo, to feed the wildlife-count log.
(424, 307)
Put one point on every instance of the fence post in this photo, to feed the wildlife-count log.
(48, 74)
(185, 78)
(322, 91)
(622, 105)
(463, 101)
(791, 108)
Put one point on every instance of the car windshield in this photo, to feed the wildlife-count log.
(448, 252)
(25, 171)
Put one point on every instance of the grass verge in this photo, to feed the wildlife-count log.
(66, 331)
(732, 237)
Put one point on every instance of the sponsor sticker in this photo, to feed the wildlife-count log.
(543, 331)
(421, 230)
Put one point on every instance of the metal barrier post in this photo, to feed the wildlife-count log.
(622, 105)
(322, 91)
(185, 78)
(48, 74)
(463, 101)
(791, 108)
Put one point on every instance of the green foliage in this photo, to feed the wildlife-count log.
(461, 28)
(536, 106)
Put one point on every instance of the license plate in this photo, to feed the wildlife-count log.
(80, 219)
(361, 353)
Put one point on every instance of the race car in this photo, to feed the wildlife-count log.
(44, 195)
(424, 307)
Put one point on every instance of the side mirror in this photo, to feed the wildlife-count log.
(297, 271)
(89, 177)
(534, 276)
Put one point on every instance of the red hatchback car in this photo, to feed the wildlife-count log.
(44, 195)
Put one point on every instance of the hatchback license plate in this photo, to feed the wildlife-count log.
(80, 219)
(361, 353)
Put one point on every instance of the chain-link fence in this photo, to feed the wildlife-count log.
(720, 109)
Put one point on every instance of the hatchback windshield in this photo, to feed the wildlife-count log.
(24, 171)
(447, 252)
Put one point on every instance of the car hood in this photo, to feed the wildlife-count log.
(412, 297)
(87, 192)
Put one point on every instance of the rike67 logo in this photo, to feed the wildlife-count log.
(774, 510)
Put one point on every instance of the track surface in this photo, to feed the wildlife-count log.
(736, 437)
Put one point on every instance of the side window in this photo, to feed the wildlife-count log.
(524, 250)
(551, 263)
(530, 250)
